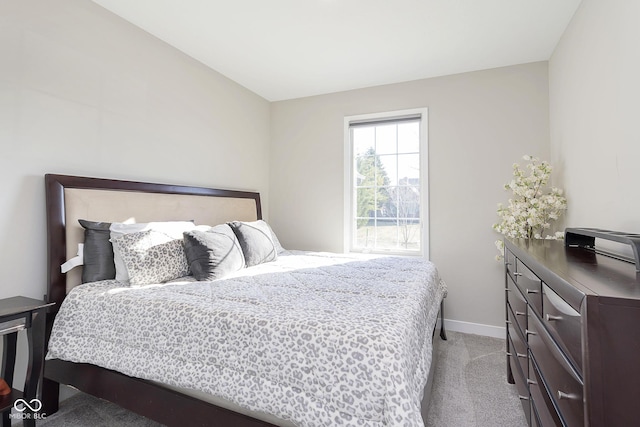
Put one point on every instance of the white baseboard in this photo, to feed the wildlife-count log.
(475, 328)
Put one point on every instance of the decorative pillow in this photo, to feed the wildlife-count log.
(151, 257)
(98, 252)
(214, 253)
(256, 241)
(173, 229)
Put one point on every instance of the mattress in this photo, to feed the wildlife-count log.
(315, 339)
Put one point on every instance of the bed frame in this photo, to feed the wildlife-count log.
(154, 401)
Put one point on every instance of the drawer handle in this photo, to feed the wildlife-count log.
(521, 313)
(528, 332)
(517, 354)
(507, 263)
(530, 381)
(532, 291)
(570, 396)
(517, 274)
(507, 289)
(551, 317)
(523, 397)
(508, 322)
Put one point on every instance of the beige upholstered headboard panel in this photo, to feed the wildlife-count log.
(71, 198)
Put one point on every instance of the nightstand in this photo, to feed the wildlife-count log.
(16, 314)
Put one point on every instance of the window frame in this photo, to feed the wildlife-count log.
(350, 188)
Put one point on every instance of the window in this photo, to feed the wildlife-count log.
(385, 183)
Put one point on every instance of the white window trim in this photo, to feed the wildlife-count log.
(424, 174)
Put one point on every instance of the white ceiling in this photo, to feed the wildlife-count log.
(283, 49)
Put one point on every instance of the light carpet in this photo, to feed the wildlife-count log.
(470, 386)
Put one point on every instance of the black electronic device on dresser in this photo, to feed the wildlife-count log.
(573, 330)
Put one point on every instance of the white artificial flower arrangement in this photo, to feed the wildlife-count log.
(533, 206)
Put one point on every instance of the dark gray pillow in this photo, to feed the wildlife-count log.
(214, 253)
(98, 252)
(256, 242)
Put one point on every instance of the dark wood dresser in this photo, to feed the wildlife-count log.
(573, 334)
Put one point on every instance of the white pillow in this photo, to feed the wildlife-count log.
(173, 229)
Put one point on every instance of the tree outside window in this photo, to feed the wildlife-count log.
(386, 178)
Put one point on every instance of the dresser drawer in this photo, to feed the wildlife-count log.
(530, 285)
(561, 380)
(518, 304)
(545, 412)
(564, 324)
(521, 386)
(518, 348)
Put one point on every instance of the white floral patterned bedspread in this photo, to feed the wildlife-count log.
(315, 338)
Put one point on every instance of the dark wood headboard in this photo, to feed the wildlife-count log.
(144, 201)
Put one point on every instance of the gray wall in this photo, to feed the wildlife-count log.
(480, 123)
(594, 94)
(84, 92)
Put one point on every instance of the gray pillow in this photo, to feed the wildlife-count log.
(98, 252)
(214, 253)
(256, 242)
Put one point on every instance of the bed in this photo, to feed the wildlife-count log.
(304, 339)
